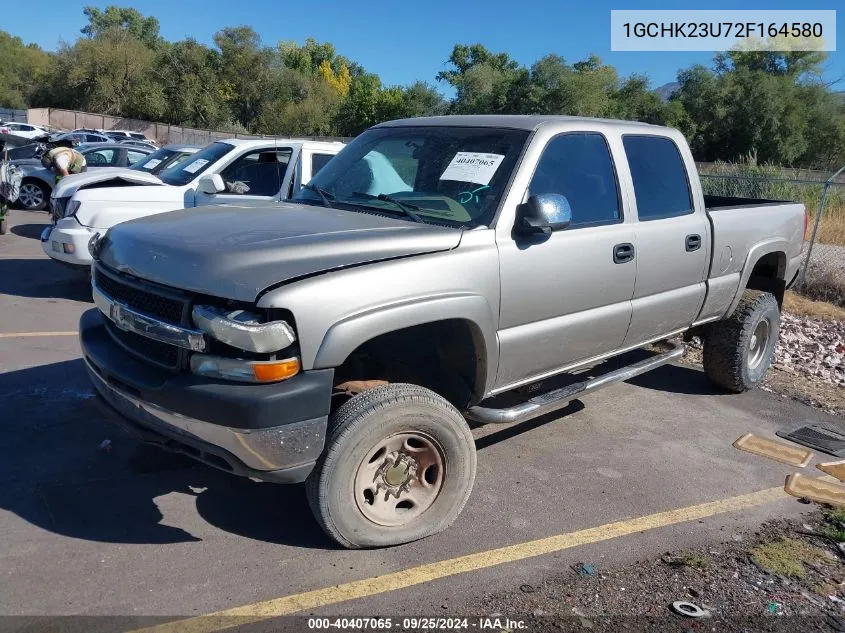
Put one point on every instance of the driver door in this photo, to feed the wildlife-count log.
(567, 297)
(253, 179)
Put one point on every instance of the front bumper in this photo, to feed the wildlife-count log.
(68, 235)
(274, 432)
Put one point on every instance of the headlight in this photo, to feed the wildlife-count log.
(243, 330)
(71, 208)
(244, 370)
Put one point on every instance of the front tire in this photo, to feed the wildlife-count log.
(739, 349)
(399, 465)
(34, 195)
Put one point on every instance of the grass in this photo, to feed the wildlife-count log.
(799, 305)
(832, 226)
(834, 530)
(786, 557)
(778, 183)
(694, 561)
(824, 285)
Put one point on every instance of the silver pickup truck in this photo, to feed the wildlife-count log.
(437, 273)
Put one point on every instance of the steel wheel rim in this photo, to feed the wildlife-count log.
(31, 195)
(758, 344)
(400, 478)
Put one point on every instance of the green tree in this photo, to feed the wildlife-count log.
(187, 74)
(245, 72)
(22, 68)
(111, 74)
(130, 20)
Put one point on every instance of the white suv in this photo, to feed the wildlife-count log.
(236, 172)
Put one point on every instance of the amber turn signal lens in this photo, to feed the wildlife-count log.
(271, 372)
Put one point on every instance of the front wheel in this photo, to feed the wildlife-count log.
(739, 349)
(399, 465)
(34, 195)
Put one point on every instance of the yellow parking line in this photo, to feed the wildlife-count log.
(239, 616)
(32, 334)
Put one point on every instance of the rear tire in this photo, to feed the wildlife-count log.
(399, 465)
(739, 349)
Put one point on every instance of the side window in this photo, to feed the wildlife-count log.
(318, 161)
(578, 165)
(133, 156)
(99, 158)
(258, 173)
(660, 180)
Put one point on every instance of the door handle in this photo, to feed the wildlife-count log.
(623, 253)
(693, 243)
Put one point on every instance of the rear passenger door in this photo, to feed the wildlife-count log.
(673, 241)
(309, 164)
(567, 297)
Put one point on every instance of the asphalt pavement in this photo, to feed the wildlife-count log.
(93, 524)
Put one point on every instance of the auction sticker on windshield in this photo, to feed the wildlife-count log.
(472, 167)
(151, 164)
(196, 165)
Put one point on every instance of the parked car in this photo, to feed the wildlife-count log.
(234, 172)
(82, 137)
(120, 135)
(23, 129)
(138, 143)
(38, 182)
(161, 159)
(345, 337)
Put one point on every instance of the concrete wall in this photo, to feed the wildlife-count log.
(161, 132)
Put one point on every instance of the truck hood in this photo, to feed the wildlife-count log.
(236, 252)
(102, 176)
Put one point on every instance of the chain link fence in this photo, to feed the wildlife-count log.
(823, 273)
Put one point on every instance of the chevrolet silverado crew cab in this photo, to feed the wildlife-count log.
(235, 172)
(437, 272)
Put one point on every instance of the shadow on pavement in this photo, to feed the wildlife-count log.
(32, 231)
(678, 379)
(42, 279)
(529, 425)
(54, 473)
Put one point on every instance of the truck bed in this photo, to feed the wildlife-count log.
(719, 203)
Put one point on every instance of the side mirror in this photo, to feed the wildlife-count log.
(211, 184)
(542, 214)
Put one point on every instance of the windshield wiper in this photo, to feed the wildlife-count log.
(324, 195)
(405, 207)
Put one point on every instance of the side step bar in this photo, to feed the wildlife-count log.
(559, 398)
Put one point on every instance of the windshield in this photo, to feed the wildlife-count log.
(446, 175)
(162, 159)
(185, 171)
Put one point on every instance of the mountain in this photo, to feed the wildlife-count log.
(665, 91)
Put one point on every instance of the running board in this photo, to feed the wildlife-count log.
(559, 398)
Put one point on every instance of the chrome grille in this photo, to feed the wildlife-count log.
(157, 302)
(169, 308)
(146, 349)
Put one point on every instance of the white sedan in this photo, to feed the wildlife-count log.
(24, 130)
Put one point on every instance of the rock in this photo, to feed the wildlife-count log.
(812, 348)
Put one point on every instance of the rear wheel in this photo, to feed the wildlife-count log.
(739, 349)
(34, 195)
(399, 465)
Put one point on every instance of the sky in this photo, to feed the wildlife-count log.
(407, 41)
